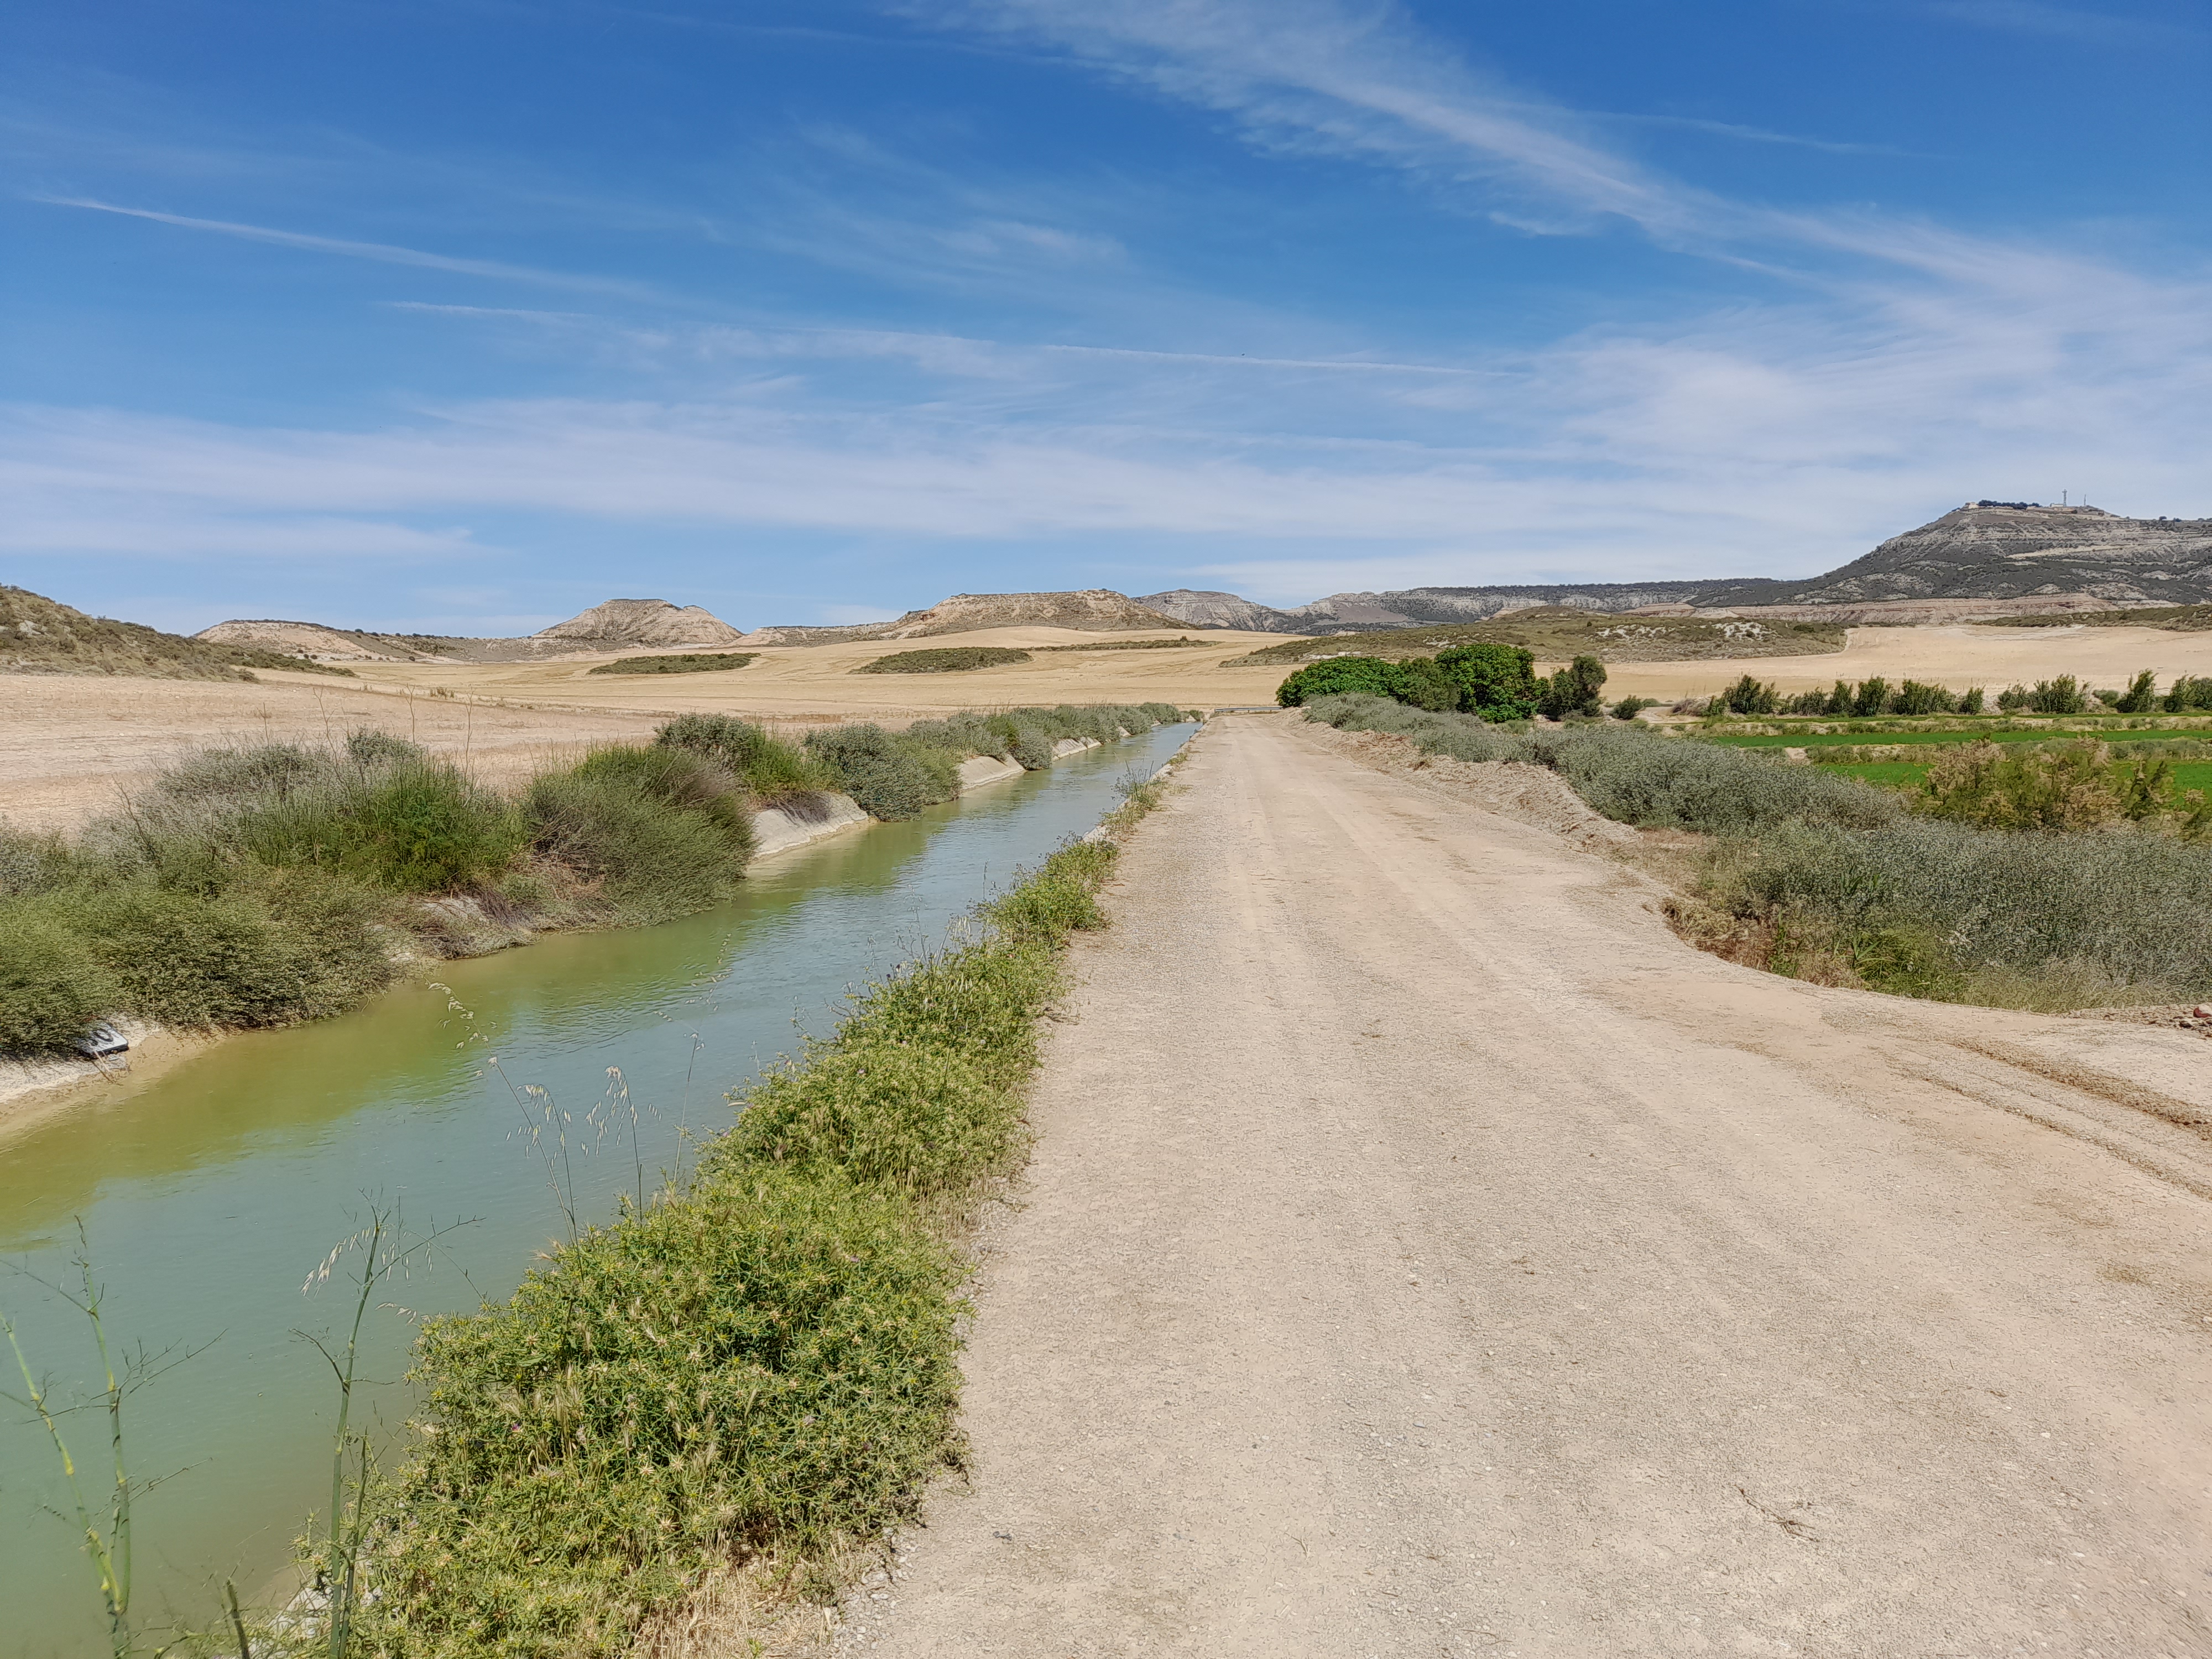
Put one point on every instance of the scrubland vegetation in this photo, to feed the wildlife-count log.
(899, 774)
(945, 659)
(700, 662)
(754, 1368)
(2039, 881)
(263, 884)
(38, 636)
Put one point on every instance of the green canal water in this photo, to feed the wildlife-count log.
(208, 1194)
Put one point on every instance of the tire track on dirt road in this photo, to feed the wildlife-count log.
(1426, 1253)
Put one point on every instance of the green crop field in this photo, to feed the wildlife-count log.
(1965, 731)
(1908, 775)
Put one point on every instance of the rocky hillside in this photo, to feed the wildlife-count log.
(39, 635)
(644, 622)
(1094, 610)
(1985, 559)
(616, 625)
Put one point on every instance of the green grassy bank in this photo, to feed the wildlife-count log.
(1815, 873)
(759, 1365)
(257, 886)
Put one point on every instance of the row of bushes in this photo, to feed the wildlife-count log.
(763, 1362)
(899, 774)
(1492, 681)
(1875, 695)
(263, 884)
(1864, 889)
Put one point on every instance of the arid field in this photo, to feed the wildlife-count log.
(72, 744)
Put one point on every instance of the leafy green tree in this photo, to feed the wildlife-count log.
(1578, 688)
(2060, 697)
(1871, 698)
(1915, 697)
(2187, 693)
(2141, 697)
(1425, 685)
(1749, 696)
(1338, 676)
(1498, 682)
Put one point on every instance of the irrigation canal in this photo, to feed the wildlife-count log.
(207, 1194)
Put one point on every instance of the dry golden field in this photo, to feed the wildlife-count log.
(72, 746)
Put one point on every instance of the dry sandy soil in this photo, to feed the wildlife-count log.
(72, 745)
(1426, 1253)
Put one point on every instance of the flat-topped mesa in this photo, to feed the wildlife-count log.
(1091, 610)
(644, 622)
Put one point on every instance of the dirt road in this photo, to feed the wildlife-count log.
(1425, 1254)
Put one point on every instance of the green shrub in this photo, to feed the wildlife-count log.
(1871, 698)
(52, 987)
(1422, 684)
(918, 1119)
(1749, 696)
(1916, 697)
(891, 780)
(2068, 788)
(380, 810)
(2060, 697)
(769, 1359)
(1060, 898)
(764, 1362)
(945, 659)
(639, 858)
(680, 779)
(704, 662)
(2141, 697)
(2187, 694)
(1579, 688)
(283, 946)
(1338, 677)
(1970, 703)
(1495, 682)
(775, 773)
(1629, 707)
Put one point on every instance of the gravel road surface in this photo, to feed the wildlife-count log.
(1426, 1253)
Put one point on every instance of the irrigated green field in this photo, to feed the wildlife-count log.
(1907, 774)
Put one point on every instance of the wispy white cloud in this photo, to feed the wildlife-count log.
(381, 252)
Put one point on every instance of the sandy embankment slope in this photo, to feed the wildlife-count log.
(1426, 1253)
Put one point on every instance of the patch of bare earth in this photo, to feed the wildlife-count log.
(1426, 1252)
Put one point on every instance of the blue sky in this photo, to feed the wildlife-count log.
(463, 316)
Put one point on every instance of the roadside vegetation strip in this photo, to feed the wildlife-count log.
(899, 775)
(945, 659)
(761, 1365)
(704, 662)
(2032, 882)
(274, 883)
